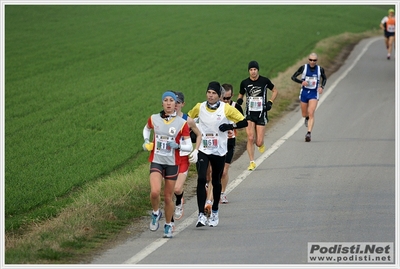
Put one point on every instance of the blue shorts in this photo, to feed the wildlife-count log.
(306, 95)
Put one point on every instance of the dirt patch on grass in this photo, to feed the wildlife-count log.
(339, 60)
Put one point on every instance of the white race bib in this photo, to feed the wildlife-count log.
(255, 103)
(210, 141)
(391, 28)
(161, 145)
(311, 82)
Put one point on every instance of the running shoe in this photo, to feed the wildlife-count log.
(252, 166)
(154, 223)
(214, 219)
(207, 208)
(201, 220)
(308, 137)
(179, 210)
(306, 121)
(223, 199)
(262, 148)
(167, 231)
(388, 57)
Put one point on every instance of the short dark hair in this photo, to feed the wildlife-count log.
(227, 87)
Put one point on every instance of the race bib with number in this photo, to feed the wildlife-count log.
(210, 141)
(255, 103)
(311, 82)
(161, 145)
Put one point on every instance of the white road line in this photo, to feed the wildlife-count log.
(190, 220)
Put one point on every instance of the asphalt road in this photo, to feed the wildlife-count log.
(340, 187)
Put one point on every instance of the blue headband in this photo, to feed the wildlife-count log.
(170, 94)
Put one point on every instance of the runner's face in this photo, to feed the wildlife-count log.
(312, 61)
(227, 96)
(178, 106)
(253, 73)
(168, 105)
(212, 97)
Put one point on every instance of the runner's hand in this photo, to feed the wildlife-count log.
(173, 144)
(193, 156)
(269, 105)
(147, 146)
(225, 127)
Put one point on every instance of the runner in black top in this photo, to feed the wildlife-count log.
(255, 87)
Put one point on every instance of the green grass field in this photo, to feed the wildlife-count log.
(80, 81)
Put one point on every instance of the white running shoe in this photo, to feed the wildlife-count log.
(223, 199)
(214, 219)
(179, 211)
(201, 221)
(167, 231)
(154, 223)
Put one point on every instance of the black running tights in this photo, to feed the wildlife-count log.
(217, 167)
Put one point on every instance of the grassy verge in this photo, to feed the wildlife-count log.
(99, 211)
(81, 80)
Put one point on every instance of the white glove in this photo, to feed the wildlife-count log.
(193, 156)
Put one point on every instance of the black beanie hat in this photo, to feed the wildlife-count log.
(214, 85)
(253, 64)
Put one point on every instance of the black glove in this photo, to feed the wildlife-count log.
(225, 127)
(268, 106)
(239, 101)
